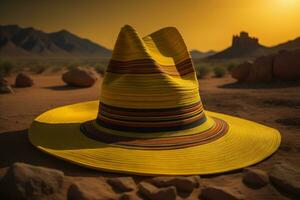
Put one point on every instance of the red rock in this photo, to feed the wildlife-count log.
(85, 190)
(182, 183)
(23, 80)
(220, 193)
(286, 177)
(129, 196)
(122, 184)
(79, 77)
(255, 177)
(241, 72)
(262, 70)
(153, 193)
(287, 65)
(4, 86)
(23, 181)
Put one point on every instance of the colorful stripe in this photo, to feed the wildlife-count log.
(150, 120)
(218, 130)
(149, 66)
(150, 88)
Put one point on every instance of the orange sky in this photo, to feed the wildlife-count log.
(204, 24)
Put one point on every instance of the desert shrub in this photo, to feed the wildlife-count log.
(38, 68)
(202, 71)
(72, 66)
(100, 68)
(230, 67)
(219, 71)
(6, 68)
(56, 68)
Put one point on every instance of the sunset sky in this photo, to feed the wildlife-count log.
(204, 24)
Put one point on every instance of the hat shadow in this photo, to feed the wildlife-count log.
(16, 147)
(64, 87)
(271, 85)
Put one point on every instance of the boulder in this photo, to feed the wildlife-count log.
(182, 183)
(85, 190)
(122, 184)
(287, 65)
(4, 86)
(262, 70)
(23, 80)
(286, 177)
(23, 181)
(79, 77)
(153, 193)
(217, 193)
(241, 72)
(255, 177)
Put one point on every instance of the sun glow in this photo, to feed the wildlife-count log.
(287, 3)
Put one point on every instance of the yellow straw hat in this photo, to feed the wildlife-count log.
(150, 119)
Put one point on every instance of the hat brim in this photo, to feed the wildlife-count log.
(57, 132)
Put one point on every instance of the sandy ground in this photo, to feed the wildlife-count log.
(277, 106)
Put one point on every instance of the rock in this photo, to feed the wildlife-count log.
(286, 177)
(242, 45)
(79, 77)
(182, 183)
(129, 196)
(23, 181)
(244, 42)
(23, 80)
(217, 193)
(287, 65)
(241, 72)
(255, 177)
(262, 70)
(85, 190)
(122, 184)
(153, 193)
(4, 86)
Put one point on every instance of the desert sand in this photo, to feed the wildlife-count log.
(277, 106)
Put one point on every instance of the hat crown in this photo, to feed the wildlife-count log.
(150, 84)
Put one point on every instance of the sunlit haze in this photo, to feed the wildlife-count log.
(204, 24)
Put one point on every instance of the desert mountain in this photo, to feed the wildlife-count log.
(199, 54)
(289, 45)
(244, 46)
(29, 42)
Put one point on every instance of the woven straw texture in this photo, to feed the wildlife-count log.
(150, 118)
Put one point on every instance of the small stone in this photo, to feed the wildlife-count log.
(6, 89)
(286, 177)
(255, 177)
(24, 181)
(122, 184)
(85, 190)
(153, 193)
(23, 80)
(182, 183)
(220, 193)
(4, 86)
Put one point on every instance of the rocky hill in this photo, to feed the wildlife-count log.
(245, 47)
(17, 42)
(199, 54)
